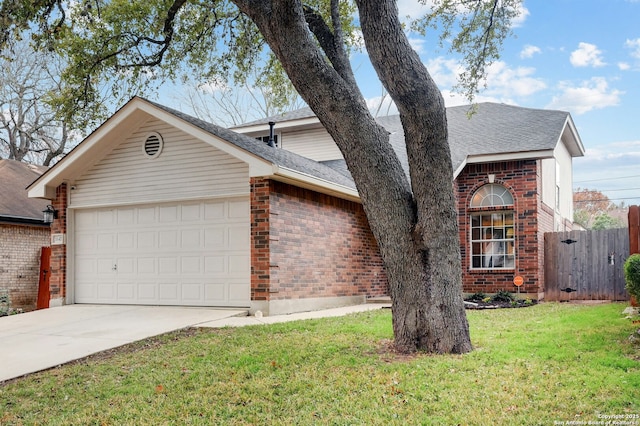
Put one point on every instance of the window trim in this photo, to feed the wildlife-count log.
(506, 251)
(491, 213)
(492, 196)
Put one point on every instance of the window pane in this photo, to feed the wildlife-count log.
(492, 195)
(492, 240)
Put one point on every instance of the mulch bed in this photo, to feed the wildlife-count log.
(499, 305)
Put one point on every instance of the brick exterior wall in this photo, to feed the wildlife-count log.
(57, 283)
(309, 245)
(523, 180)
(20, 262)
(260, 241)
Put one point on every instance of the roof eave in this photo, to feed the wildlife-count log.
(18, 220)
(508, 156)
(301, 123)
(304, 180)
(576, 149)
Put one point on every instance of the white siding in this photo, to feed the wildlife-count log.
(186, 168)
(549, 182)
(315, 144)
(565, 179)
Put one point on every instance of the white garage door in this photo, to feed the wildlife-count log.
(189, 254)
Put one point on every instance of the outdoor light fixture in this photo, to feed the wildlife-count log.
(49, 214)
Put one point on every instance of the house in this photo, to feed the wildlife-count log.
(22, 234)
(512, 174)
(157, 207)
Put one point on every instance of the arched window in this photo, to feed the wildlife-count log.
(492, 195)
(492, 231)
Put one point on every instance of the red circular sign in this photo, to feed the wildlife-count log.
(518, 281)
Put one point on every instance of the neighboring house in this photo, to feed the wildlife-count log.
(22, 234)
(157, 207)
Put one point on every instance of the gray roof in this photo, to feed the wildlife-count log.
(492, 129)
(280, 157)
(499, 128)
(15, 205)
(297, 114)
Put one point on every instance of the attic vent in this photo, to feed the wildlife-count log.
(153, 145)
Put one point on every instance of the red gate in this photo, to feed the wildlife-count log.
(45, 276)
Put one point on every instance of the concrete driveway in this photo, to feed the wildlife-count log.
(43, 339)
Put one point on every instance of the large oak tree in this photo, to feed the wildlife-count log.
(413, 218)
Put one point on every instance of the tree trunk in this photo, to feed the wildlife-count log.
(416, 231)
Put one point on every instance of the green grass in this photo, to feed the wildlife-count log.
(538, 365)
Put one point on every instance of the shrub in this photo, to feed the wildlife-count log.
(632, 275)
(477, 297)
(503, 296)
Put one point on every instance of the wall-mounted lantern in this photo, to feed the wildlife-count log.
(49, 214)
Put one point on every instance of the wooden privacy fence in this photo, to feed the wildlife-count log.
(585, 265)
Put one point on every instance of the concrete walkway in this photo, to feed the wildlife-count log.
(39, 340)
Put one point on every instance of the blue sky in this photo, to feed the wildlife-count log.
(580, 56)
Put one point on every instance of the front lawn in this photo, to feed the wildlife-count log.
(545, 364)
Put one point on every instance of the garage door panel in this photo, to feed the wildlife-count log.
(214, 212)
(238, 210)
(146, 216)
(190, 265)
(168, 214)
(126, 292)
(193, 254)
(168, 292)
(214, 264)
(168, 265)
(214, 237)
(147, 292)
(190, 238)
(191, 212)
(106, 218)
(239, 265)
(126, 216)
(168, 239)
(237, 290)
(126, 240)
(146, 266)
(107, 291)
(192, 292)
(106, 241)
(146, 239)
(238, 237)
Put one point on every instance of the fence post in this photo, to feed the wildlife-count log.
(634, 229)
(634, 237)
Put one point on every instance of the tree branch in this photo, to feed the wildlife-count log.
(331, 43)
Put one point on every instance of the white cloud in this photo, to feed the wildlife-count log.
(586, 55)
(591, 94)
(528, 51)
(623, 66)
(444, 71)
(505, 81)
(523, 13)
(634, 45)
(417, 44)
(412, 8)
